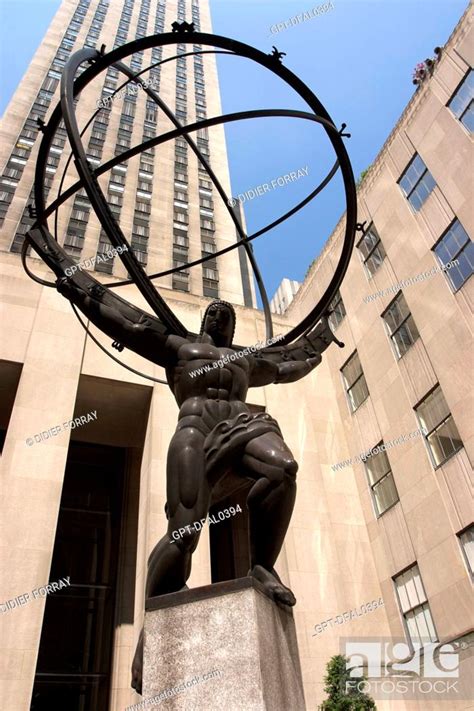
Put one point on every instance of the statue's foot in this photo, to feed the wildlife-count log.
(137, 666)
(273, 585)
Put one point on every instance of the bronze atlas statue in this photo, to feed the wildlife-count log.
(216, 431)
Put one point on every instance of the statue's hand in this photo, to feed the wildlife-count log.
(64, 286)
(314, 361)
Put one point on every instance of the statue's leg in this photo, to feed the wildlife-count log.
(188, 496)
(271, 499)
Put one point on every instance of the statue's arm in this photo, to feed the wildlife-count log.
(127, 325)
(291, 371)
(265, 371)
(286, 364)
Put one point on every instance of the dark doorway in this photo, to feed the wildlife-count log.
(74, 661)
(9, 379)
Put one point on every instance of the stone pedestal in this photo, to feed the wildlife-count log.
(226, 646)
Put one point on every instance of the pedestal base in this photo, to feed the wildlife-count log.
(226, 646)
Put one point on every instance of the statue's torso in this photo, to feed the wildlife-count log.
(224, 383)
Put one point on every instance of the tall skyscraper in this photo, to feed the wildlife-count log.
(164, 200)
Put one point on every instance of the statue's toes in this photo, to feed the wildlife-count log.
(284, 595)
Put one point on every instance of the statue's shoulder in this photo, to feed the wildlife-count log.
(177, 342)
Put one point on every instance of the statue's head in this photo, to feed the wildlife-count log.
(219, 323)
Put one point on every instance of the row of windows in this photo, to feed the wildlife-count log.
(454, 244)
(442, 437)
(15, 165)
(97, 24)
(75, 233)
(140, 229)
(180, 280)
(210, 273)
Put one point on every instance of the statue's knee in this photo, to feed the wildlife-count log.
(291, 467)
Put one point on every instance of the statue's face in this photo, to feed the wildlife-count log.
(219, 324)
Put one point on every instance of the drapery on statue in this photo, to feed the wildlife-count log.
(216, 431)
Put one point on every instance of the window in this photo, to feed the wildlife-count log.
(414, 606)
(205, 184)
(181, 217)
(51, 82)
(80, 215)
(206, 203)
(207, 224)
(371, 249)
(114, 199)
(128, 108)
(456, 245)
(181, 196)
(144, 207)
(180, 253)
(442, 434)
(151, 112)
(139, 243)
(354, 381)
(209, 247)
(210, 288)
(400, 325)
(178, 263)
(180, 282)
(417, 182)
(382, 485)
(145, 167)
(466, 539)
(118, 177)
(336, 311)
(141, 230)
(462, 101)
(180, 177)
(12, 172)
(180, 239)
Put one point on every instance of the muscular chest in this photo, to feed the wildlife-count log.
(201, 352)
(211, 367)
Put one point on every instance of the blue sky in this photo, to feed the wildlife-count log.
(357, 58)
